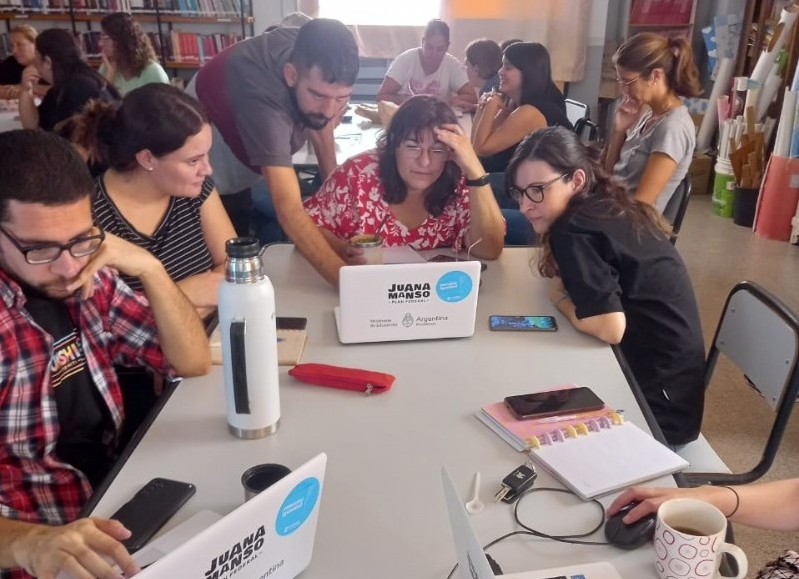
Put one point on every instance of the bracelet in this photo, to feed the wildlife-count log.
(479, 182)
(737, 500)
(562, 298)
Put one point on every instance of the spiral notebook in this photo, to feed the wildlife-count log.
(592, 456)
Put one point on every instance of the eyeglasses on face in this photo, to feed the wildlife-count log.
(622, 82)
(413, 150)
(42, 253)
(534, 192)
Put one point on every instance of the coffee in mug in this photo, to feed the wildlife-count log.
(372, 246)
(689, 541)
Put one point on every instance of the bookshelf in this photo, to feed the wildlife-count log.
(667, 17)
(184, 33)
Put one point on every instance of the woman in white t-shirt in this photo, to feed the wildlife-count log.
(428, 70)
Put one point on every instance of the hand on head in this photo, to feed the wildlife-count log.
(461, 149)
(84, 548)
(126, 257)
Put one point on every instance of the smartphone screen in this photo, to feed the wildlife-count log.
(522, 323)
(554, 403)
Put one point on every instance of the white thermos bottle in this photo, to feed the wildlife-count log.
(249, 342)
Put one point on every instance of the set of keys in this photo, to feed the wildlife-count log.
(518, 482)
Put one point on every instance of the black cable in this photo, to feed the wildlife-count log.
(571, 539)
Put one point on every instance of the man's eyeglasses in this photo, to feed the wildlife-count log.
(43, 253)
(414, 151)
(622, 82)
(534, 192)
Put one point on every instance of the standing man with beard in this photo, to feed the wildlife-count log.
(265, 96)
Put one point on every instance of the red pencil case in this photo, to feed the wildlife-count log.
(355, 379)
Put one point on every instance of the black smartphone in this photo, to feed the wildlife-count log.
(151, 508)
(283, 323)
(522, 323)
(554, 403)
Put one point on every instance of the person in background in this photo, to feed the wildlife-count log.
(66, 318)
(157, 192)
(483, 60)
(424, 186)
(291, 19)
(428, 69)
(653, 136)
(615, 274)
(265, 96)
(74, 83)
(129, 60)
(506, 43)
(527, 100)
(23, 54)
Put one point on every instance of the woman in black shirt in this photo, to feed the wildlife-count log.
(615, 275)
(59, 62)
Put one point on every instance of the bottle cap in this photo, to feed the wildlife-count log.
(242, 247)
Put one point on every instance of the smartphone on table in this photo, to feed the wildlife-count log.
(522, 323)
(553, 403)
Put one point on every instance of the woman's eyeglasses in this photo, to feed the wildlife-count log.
(414, 151)
(43, 253)
(534, 192)
(623, 82)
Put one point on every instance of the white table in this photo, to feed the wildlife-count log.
(354, 138)
(9, 119)
(383, 512)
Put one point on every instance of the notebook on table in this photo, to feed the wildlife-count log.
(271, 535)
(472, 563)
(411, 301)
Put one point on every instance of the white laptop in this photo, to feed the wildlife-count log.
(410, 301)
(472, 562)
(271, 535)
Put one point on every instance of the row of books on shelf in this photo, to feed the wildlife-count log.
(197, 8)
(661, 12)
(184, 47)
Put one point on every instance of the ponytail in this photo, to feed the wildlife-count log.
(647, 51)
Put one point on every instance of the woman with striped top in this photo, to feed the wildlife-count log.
(157, 191)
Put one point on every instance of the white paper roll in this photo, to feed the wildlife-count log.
(710, 120)
(766, 59)
(782, 142)
(767, 93)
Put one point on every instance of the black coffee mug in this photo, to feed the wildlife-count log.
(260, 477)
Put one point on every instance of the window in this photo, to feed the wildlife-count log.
(413, 12)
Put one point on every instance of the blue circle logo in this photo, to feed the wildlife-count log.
(454, 286)
(297, 507)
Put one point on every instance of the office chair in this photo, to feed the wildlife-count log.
(578, 115)
(759, 334)
(677, 207)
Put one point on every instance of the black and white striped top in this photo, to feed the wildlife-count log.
(178, 240)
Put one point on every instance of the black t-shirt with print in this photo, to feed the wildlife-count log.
(607, 266)
(83, 417)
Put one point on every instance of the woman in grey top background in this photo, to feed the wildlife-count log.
(653, 135)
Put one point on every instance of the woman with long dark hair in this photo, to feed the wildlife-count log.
(424, 187)
(615, 274)
(653, 136)
(527, 100)
(129, 60)
(157, 192)
(60, 63)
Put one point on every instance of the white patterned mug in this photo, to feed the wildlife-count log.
(689, 541)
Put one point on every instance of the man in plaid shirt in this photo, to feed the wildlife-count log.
(65, 320)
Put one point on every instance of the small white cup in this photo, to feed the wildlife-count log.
(689, 541)
(372, 246)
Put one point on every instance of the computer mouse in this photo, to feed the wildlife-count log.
(629, 536)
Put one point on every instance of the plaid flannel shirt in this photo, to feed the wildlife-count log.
(116, 326)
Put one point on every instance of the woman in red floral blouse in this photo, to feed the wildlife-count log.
(423, 186)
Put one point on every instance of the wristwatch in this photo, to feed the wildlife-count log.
(479, 182)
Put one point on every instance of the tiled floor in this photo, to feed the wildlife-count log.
(718, 254)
